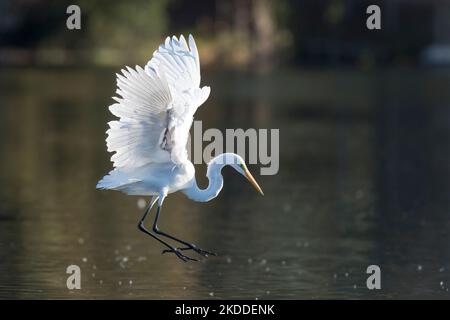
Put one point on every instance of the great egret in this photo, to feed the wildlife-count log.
(155, 109)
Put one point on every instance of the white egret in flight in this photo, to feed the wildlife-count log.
(155, 110)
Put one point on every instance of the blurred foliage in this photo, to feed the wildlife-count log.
(131, 27)
(254, 34)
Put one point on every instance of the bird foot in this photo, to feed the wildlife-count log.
(179, 254)
(193, 247)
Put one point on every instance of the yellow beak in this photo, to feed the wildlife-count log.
(252, 180)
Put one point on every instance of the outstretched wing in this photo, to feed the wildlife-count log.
(142, 110)
(180, 65)
(156, 107)
(179, 62)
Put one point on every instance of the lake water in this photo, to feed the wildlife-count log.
(364, 180)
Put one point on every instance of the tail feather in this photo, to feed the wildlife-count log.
(115, 180)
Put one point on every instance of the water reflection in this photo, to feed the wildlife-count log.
(364, 179)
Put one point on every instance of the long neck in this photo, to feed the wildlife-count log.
(203, 195)
(215, 179)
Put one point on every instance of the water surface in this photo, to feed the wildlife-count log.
(364, 179)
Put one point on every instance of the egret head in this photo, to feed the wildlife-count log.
(236, 162)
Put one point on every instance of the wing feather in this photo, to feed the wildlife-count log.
(142, 111)
(181, 65)
(155, 106)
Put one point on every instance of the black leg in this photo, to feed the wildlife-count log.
(142, 227)
(189, 246)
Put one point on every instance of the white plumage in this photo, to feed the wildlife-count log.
(155, 107)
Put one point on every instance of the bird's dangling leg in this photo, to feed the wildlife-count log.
(189, 246)
(195, 248)
(142, 227)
